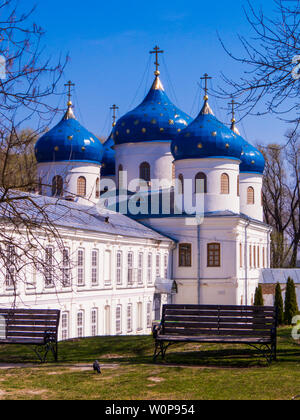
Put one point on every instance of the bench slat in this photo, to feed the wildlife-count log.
(216, 332)
(216, 325)
(30, 311)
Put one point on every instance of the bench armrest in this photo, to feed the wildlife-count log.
(156, 330)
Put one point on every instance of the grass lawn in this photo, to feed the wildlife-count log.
(190, 372)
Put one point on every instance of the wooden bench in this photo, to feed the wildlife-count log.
(34, 327)
(252, 325)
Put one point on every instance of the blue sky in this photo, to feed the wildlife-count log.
(109, 43)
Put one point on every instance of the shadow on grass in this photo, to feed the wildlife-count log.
(138, 350)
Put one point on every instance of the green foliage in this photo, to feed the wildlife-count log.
(279, 304)
(290, 303)
(258, 299)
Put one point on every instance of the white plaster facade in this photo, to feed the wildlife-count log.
(97, 302)
(157, 153)
(70, 172)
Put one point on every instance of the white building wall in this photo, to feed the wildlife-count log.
(213, 169)
(84, 298)
(156, 153)
(70, 172)
(255, 181)
(228, 283)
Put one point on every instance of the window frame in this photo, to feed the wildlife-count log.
(187, 256)
(215, 254)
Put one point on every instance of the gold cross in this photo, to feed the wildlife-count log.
(69, 85)
(114, 108)
(232, 103)
(206, 78)
(156, 51)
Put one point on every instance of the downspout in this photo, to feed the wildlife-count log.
(246, 264)
(173, 247)
(198, 268)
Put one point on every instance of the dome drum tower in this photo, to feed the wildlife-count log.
(69, 160)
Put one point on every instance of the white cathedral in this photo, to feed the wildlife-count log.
(127, 264)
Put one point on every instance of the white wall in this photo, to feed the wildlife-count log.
(84, 298)
(70, 172)
(156, 153)
(255, 181)
(213, 169)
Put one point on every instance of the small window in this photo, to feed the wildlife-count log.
(94, 322)
(214, 255)
(119, 268)
(95, 267)
(145, 172)
(65, 325)
(80, 267)
(11, 260)
(66, 270)
(129, 317)
(139, 316)
(119, 319)
(80, 324)
(97, 193)
(181, 184)
(57, 186)
(254, 256)
(185, 255)
(81, 186)
(258, 259)
(48, 269)
(166, 263)
(158, 274)
(130, 268)
(201, 187)
(149, 268)
(224, 184)
(250, 256)
(238, 186)
(250, 195)
(140, 268)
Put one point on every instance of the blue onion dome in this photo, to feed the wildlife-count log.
(206, 137)
(155, 119)
(252, 160)
(108, 167)
(69, 141)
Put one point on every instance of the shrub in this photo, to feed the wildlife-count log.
(258, 299)
(290, 302)
(279, 304)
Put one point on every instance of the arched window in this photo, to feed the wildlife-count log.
(250, 195)
(224, 184)
(120, 169)
(203, 186)
(238, 186)
(145, 171)
(81, 186)
(57, 186)
(97, 194)
(181, 187)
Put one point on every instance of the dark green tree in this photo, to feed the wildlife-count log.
(279, 303)
(290, 302)
(258, 299)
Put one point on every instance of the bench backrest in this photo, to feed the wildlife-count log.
(28, 324)
(218, 320)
